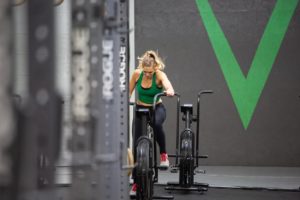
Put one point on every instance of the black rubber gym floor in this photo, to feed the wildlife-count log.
(211, 194)
(231, 194)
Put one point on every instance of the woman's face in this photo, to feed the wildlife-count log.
(148, 71)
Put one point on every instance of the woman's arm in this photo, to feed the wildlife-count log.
(166, 83)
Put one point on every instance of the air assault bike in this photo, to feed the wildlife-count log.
(187, 150)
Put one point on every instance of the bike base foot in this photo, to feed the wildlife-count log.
(198, 187)
(155, 197)
(163, 197)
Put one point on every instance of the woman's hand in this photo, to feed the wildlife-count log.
(169, 92)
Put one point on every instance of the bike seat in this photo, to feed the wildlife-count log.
(187, 107)
(142, 110)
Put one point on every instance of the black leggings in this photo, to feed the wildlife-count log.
(160, 116)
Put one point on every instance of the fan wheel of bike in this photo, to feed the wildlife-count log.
(186, 171)
(144, 172)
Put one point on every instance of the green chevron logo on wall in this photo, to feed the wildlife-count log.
(246, 91)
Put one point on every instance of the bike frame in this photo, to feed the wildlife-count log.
(144, 158)
(147, 153)
(202, 92)
(190, 163)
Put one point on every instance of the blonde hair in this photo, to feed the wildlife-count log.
(151, 58)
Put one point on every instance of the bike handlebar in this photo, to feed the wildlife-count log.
(160, 95)
(198, 121)
(204, 92)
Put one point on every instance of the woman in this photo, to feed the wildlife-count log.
(149, 80)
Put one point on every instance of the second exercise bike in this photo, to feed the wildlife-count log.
(187, 151)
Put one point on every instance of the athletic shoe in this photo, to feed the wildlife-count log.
(133, 190)
(164, 161)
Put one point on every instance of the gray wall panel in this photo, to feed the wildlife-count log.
(176, 30)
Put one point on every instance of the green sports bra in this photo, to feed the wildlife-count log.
(146, 95)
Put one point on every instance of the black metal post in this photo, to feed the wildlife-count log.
(198, 122)
(41, 127)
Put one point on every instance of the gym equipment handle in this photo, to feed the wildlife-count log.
(160, 95)
(205, 92)
(198, 121)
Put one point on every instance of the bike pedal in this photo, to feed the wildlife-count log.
(174, 170)
(163, 168)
